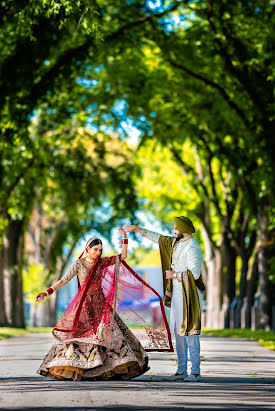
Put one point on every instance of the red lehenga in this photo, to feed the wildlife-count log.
(93, 338)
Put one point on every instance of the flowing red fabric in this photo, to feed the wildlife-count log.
(113, 288)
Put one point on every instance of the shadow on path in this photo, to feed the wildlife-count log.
(242, 384)
(176, 407)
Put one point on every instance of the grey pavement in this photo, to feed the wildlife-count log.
(238, 374)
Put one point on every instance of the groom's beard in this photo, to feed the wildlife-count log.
(179, 236)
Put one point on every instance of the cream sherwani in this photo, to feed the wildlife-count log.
(186, 254)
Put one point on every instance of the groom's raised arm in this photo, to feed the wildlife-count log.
(143, 231)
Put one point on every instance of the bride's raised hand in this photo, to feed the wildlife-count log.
(121, 231)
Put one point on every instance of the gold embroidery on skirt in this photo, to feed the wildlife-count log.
(73, 373)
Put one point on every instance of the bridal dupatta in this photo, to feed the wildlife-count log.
(110, 287)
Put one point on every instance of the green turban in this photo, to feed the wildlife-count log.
(184, 225)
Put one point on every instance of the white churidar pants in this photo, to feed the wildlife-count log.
(183, 343)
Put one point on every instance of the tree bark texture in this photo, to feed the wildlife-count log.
(251, 290)
(3, 319)
(265, 286)
(214, 281)
(229, 273)
(13, 286)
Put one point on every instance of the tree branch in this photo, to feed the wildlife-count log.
(144, 19)
(80, 52)
(205, 218)
(18, 179)
(210, 157)
(243, 76)
(213, 85)
(192, 171)
(51, 239)
(65, 260)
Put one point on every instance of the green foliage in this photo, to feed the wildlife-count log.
(39, 330)
(34, 281)
(8, 332)
(145, 257)
(195, 78)
(168, 191)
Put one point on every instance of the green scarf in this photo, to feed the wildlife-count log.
(191, 305)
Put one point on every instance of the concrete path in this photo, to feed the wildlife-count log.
(238, 374)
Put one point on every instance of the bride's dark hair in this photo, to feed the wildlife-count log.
(93, 241)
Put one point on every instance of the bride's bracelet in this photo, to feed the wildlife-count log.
(124, 241)
(50, 291)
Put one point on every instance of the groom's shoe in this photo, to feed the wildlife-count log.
(193, 378)
(175, 377)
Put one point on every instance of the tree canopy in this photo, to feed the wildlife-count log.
(194, 79)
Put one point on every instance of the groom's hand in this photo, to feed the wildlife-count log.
(122, 232)
(128, 228)
(170, 274)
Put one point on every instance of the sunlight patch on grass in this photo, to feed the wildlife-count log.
(264, 338)
(8, 332)
(40, 330)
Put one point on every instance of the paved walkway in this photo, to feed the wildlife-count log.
(238, 374)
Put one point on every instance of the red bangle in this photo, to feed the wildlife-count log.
(125, 241)
(50, 291)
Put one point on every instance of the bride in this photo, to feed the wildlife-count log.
(91, 340)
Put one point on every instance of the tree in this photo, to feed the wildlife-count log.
(46, 51)
(178, 72)
(209, 79)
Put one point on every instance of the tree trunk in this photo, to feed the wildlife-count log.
(52, 310)
(264, 283)
(243, 279)
(44, 315)
(243, 284)
(245, 254)
(214, 283)
(3, 319)
(13, 257)
(251, 290)
(229, 272)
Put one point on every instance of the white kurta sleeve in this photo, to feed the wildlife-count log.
(151, 235)
(194, 261)
(72, 271)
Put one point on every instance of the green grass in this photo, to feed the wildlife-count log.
(8, 332)
(264, 338)
(40, 330)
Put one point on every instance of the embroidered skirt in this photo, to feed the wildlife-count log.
(83, 361)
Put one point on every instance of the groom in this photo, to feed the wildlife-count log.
(181, 260)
